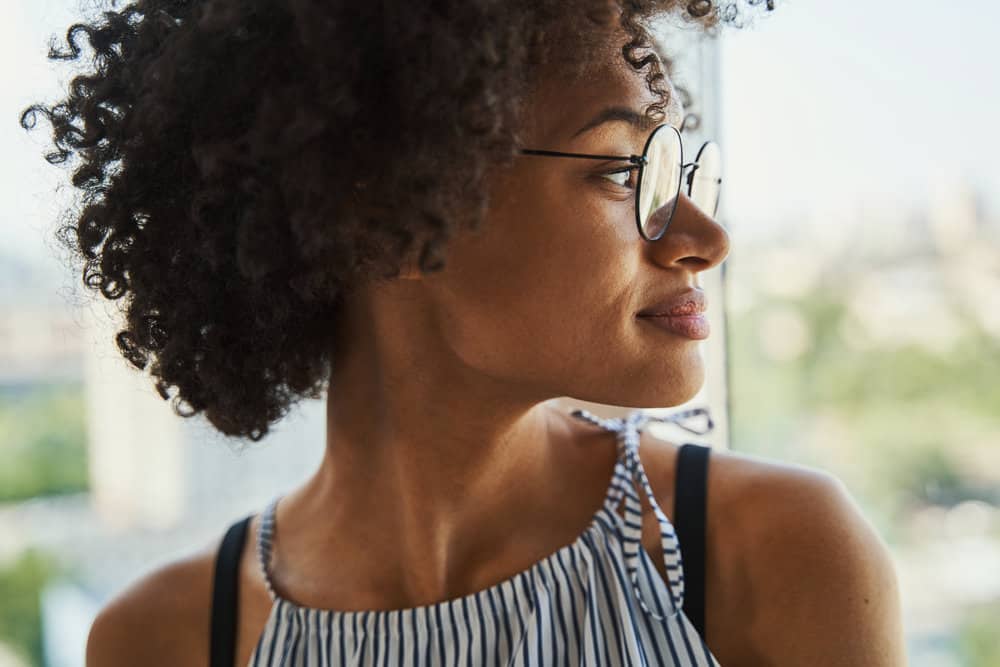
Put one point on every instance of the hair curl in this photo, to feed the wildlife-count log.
(246, 163)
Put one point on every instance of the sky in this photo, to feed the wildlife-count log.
(824, 104)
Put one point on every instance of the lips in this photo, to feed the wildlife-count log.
(690, 326)
(687, 303)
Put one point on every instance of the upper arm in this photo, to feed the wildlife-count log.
(116, 637)
(160, 619)
(826, 585)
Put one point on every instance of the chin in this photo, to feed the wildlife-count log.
(675, 387)
(640, 383)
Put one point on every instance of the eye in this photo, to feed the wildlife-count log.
(624, 176)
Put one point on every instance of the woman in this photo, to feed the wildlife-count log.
(379, 203)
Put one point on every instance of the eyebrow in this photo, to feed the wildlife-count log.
(616, 113)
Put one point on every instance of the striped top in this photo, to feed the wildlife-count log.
(596, 601)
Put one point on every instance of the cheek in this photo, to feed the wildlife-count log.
(541, 337)
(543, 283)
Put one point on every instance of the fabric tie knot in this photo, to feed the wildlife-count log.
(628, 429)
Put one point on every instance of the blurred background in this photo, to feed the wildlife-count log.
(862, 325)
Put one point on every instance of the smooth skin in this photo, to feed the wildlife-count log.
(445, 442)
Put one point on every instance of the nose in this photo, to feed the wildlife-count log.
(693, 239)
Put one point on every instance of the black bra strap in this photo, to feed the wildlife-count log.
(689, 512)
(225, 590)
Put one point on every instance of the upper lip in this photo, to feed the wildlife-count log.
(689, 302)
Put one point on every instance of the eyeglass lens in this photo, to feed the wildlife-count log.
(661, 180)
(704, 182)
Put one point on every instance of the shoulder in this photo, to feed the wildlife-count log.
(162, 618)
(806, 577)
(827, 583)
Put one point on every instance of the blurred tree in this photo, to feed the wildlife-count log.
(978, 640)
(20, 614)
(898, 417)
(42, 442)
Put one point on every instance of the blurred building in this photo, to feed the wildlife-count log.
(39, 340)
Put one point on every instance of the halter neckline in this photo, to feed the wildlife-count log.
(628, 472)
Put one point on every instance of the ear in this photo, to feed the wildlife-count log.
(409, 266)
(408, 269)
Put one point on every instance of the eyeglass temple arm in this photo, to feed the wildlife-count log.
(635, 159)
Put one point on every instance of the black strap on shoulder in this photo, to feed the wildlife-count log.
(225, 590)
(689, 511)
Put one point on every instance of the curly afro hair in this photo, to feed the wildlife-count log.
(246, 163)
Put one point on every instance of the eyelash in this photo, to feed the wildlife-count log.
(623, 170)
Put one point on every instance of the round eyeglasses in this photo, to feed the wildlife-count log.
(660, 172)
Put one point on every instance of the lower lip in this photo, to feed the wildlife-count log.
(691, 326)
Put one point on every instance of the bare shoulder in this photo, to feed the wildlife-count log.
(796, 573)
(162, 618)
(825, 582)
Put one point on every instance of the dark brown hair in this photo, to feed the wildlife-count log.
(246, 163)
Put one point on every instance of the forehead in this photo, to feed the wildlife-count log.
(564, 99)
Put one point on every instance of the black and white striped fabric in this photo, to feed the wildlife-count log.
(596, 601)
